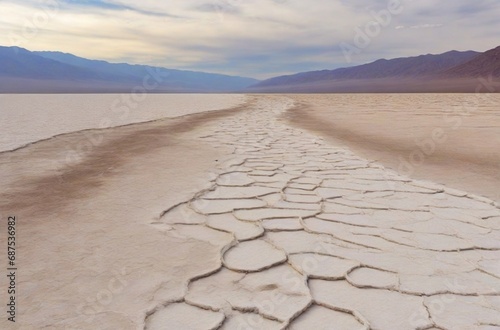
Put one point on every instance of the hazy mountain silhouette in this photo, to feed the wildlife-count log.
(179, 78)
(25, 71)
(48, 72)
(20, 63)
(408, 67)
(483, 65)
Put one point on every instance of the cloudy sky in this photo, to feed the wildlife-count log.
(256, 38)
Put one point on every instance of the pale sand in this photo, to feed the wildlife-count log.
(289, 232)
(392, 129)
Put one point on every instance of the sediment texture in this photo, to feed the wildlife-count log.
(322, 239)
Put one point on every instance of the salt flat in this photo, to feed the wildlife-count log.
(237, 220)
(447, 138)
(27, 118)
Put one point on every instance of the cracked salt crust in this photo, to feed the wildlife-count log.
(318, 237)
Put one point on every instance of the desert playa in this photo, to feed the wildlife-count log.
(275, 213)
(447, 138)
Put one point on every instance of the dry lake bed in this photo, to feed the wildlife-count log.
(273, 212)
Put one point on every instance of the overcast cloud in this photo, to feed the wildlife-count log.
(256, 38)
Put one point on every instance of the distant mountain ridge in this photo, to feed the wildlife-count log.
(180, 78)
(25, 71)
(483, 65)
(449, 72)
(407, 67)
(21, 63)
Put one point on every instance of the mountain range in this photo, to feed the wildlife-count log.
(448, 72)
(484, 64)
(23, 71)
